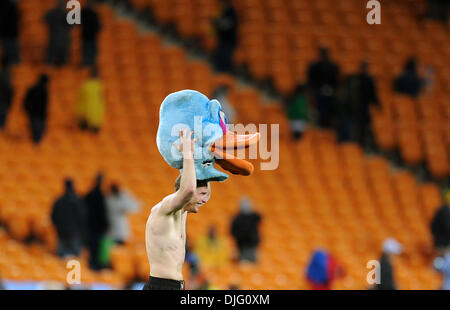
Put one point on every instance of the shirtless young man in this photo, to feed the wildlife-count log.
(165, 232)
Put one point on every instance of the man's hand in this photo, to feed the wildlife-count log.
(188, 180)
(187, 144)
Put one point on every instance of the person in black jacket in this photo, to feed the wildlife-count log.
(90, 27)
(245, 231)
(438, 10)
(6, 93)
(59, 38)
(9, 23)
(226, 28)
(358, 93)
(97, 221)
(323, 76)
(69, 218)
(440, 225)
(36, 101)
(409, 82)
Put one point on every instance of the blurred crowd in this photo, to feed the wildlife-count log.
(59, 30)
(213, 250)
(324, 268)
(96, 221)
(343, 103)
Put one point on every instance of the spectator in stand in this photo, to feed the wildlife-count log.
(59, 35)
(323, 76)
(358, 93)
(212, 250)
(36, 102)
(69, 218)
(409, 82)
(90, 107)
(221, 94)
(119, 203)
(297, 110)
(346, 110)
(6, 95)
(245, 231)
(391, 247)
(440, 225)
(97, 221)
(9, 23)
(90, 27)
(442, 264)
(226, 29)
(322, 270)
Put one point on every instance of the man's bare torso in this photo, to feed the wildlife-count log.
(165, 238)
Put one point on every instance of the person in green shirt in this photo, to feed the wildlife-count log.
(297, 111)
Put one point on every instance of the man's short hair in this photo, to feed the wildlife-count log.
(200, 183)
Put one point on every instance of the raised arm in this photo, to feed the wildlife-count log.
(188, 182)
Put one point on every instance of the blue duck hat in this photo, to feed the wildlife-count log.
(192, 109)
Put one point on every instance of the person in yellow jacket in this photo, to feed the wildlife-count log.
(90, 107)
(212, 250)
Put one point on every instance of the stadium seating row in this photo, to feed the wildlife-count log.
(279, 39)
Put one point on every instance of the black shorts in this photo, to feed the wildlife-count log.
(163, 284)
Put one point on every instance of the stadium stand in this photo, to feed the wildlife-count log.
(278, 39)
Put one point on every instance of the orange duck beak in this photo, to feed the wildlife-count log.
(232, 141)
